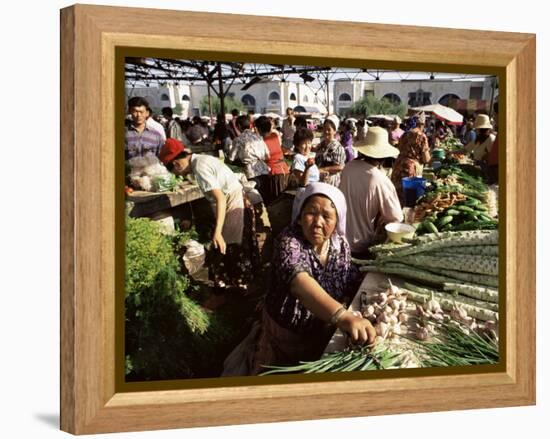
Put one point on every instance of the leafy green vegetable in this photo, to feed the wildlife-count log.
(167, 334)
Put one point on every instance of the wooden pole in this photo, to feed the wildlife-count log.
(221, 94)
(209, 101)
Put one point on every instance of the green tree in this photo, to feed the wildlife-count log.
(230, 104)
(178, 109)
(371, 105)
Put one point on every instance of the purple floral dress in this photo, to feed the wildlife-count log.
(293, 254)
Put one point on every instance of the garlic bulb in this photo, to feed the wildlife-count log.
(369, 310)
(381, 329)
(422, 333)
(402, 317)
(433, 305)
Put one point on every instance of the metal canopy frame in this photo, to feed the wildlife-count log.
(221, 76)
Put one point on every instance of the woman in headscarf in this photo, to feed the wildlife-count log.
(312, 280)
(414, 151)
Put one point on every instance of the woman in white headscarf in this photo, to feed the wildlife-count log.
(312, 280)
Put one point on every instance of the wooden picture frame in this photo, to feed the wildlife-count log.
(91, 401)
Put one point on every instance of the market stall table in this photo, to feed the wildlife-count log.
(148, 203)
(370, 288)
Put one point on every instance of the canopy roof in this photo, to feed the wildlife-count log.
(441, 112)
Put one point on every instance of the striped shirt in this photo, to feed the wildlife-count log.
(138, 144)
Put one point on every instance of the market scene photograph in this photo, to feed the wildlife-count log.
(290, 219)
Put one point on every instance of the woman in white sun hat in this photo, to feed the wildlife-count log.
(481, 147)
(370, 195)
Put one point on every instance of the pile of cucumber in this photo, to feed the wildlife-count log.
(470, 214)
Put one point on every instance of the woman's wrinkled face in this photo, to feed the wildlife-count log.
(318, 219)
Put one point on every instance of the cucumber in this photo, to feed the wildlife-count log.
(430, 227)
(445, 220)
(485, 217)
(464, 208)
(472, 202)
(452, 212)
(481, 209)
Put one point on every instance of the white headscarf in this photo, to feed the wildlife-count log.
(333, 193)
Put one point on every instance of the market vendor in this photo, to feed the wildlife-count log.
(235, 249)
(370, 195)
(140, 139)
(330, 156)
(482, 145)
(414, 152)
(312, 279)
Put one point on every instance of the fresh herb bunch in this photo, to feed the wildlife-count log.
(458, 346)
(354, 359)
(167, 333)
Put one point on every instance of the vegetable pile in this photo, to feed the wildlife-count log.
(457, 200)
(468, 258)
(450, 143)
(167, 334)
(456, 345)
(352, 359)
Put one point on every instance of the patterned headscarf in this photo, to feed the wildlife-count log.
(330, 191)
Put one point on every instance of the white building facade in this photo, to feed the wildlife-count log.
(275, 96)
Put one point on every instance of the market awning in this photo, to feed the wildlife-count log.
(310, 109)
(389, 117)
(442, 112)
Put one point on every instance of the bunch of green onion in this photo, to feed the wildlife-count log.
(458, 347)
(352, 359)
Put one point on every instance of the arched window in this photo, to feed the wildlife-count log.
(249, 102)
(164, 97)
(344, 101)
(185, 98)
(444, 100)
(392, 97)
(306, 99)
(419, 98)
(274, 96)
(292, 97)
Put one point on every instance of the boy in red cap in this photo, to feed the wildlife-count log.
(234, 238)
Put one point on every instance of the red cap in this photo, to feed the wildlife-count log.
(171, 149)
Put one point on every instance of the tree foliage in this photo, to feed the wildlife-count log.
(230, 104)
(370, 105)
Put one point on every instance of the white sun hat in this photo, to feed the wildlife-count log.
(377, 144)
(482, 121)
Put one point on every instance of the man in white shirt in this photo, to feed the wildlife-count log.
(154, 125)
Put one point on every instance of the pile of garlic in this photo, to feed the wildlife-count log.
(432, 312)
(387, 313)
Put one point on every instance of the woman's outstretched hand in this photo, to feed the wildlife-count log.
(359, 329)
